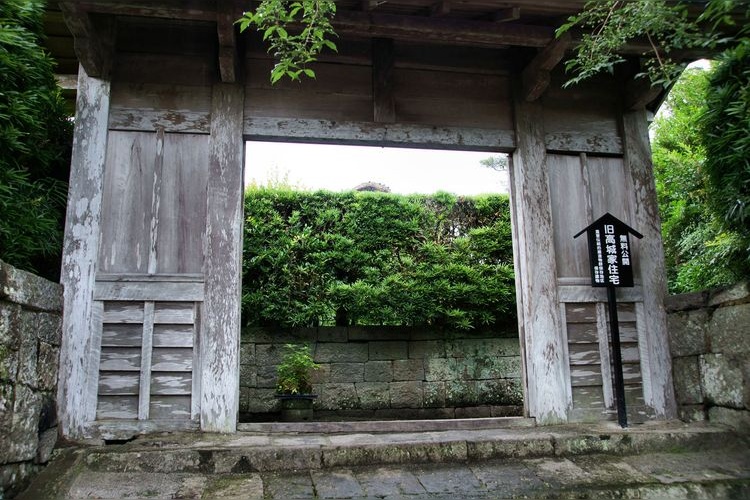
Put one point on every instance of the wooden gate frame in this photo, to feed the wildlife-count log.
(542, 294)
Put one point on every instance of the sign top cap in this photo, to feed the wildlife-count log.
(608, 218)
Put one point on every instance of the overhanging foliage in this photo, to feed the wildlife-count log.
(376, 259)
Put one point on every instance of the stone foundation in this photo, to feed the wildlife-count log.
(389, 372)
(710, 342)
(30, 330)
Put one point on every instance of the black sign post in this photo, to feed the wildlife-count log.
(612, 267)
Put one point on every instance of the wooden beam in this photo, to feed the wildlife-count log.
(67, 82)
(505, 15)
(441, 8)
(189, 10)
(76, 406)
(547, 385)
(639, 92)
(368, 5)
(220, 336)
(383, 98)
(93, 41)
(536, 76)
(229, 60)
(367, 133)
(572, 142)
(442, 30)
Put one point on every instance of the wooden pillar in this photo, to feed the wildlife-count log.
(220, 340)
(78, 362)
(656, 362)
(547, 386)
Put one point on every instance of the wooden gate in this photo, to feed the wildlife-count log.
(168, 93)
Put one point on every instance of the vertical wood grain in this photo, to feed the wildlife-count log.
(221, 321)
(195, 393)
(144, 386)
(649, 257)
(548, 394)
(603, 333)
(155, 201)
(92, 383)
(520, 269)
(128, 184)
(182, 218)
(80, 250)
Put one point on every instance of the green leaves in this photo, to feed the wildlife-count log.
(294, 373)
(376, 259)
(35, 137)
(296, 33)
(702, 248)
(608, 25)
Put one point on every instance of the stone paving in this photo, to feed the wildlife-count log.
(715, 474)
(715, 466)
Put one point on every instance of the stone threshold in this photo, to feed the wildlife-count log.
(386, 426)
(258, 451)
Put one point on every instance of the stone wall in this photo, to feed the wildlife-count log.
(710, 342)
(389, 372)
(30, 329)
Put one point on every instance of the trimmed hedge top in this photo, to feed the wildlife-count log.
(360, 258)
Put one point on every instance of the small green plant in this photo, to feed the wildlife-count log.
(295, 371)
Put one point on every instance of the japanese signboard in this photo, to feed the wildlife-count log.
(610, 255)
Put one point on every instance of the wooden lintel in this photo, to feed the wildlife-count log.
(442, 30)
(383, 98)
(192, 10)
(536, 75)
(441, 8)
(372, 134)
(93, 40)
(505, 15)
(639, 92)
(229, 60)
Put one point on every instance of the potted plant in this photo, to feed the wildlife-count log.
(294, 383)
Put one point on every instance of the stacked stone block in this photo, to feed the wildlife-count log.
(710, 343)
(390, 372)
(30, 331)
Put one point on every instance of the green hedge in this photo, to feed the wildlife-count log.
(35, 138)
(356, 258)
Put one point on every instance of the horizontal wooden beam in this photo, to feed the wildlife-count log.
(149, 120)
(149, 290)
(372, 134)
(189, 10)
(565, 142)
(441, 30)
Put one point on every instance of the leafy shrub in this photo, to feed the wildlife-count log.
(294, 373)
(360, 258)
(726, 136)
(35, 137)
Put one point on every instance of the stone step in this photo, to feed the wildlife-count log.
(386, 426)
(246, 452)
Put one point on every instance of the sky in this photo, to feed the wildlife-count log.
(404, 171)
